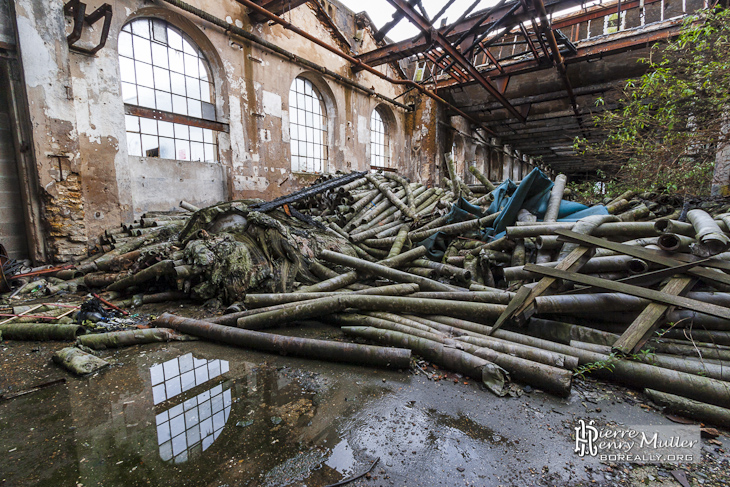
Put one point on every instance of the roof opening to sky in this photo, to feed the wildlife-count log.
(381, 12)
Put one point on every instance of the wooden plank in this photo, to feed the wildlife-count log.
(522, 303)
(658, 296)
(713, 262)
(23, 313)
(517, 300)
(645, 279)
(644, 325)
(706, 275)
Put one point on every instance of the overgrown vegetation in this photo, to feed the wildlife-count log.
(669, 124)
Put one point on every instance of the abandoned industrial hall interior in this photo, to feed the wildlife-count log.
(383, 243)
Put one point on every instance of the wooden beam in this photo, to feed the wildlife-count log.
(645, 279)
(637, 334)
(521, 307)
(703, 273)
(658, 296)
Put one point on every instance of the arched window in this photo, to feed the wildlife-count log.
(168, 93)
(307, 128)
(379, 141)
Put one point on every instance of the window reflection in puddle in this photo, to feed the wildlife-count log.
(189, 428)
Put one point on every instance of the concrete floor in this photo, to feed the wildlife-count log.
(253, 419)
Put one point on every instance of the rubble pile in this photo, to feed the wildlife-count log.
(495, 282)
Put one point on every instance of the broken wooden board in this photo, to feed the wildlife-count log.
(645, 279)
(706, 275)
(644, 325)
(658, 296)
(521, 304)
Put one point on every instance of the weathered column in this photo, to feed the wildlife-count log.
(721, 177)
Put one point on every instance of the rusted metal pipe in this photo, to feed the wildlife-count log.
(290, 55)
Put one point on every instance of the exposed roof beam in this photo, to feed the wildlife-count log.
(557, 57)
(543, 97)
(403, 49)
(423, 24)
(614, 44)
(276, 7)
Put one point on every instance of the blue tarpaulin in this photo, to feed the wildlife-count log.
(532, 194)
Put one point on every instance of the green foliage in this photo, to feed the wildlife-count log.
(589, 192)
(644, 355)
(607, 364)
(669, 124)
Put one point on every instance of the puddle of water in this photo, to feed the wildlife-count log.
(169, 417)
(467, 426)
(342, 458)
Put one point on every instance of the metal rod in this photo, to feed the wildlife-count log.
(273, 47)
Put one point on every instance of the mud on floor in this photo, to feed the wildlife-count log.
(196, 413)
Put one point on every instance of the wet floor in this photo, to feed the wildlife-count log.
(196, 413)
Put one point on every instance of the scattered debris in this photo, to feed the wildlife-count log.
(78, 361)
(495, 282)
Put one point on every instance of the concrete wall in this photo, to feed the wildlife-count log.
(89, 182)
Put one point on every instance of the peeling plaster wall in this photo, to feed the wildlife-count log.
(89, 182)
(264, 171)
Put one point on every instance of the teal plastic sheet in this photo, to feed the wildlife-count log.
(462, 211)
(533, 195)
(436, 246)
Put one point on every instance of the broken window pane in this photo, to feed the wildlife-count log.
(150, 147)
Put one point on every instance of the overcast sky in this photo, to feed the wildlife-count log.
(381, 12)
